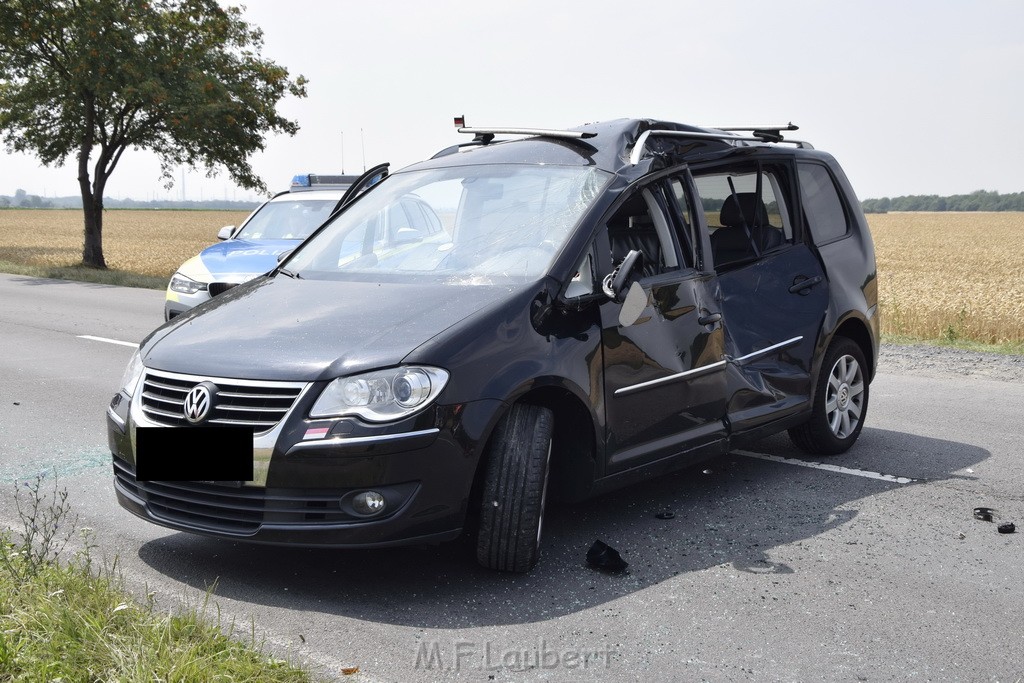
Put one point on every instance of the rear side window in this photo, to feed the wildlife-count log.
(822, 206)
(746, 213)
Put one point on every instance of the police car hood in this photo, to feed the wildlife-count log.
(278, 328)
(243, 257)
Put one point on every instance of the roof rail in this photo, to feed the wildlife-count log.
(769, 133)
(758, 134)
(485, 135)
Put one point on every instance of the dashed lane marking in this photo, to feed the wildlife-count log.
(108, 341)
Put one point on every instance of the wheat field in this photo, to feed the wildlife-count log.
(941, 275)
(145, 241)
(951, 275)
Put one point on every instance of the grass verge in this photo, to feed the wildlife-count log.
(69, 621)
(1005, 348)
(121, 278)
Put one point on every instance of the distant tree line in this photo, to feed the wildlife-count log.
(23, 200)
(980, 200)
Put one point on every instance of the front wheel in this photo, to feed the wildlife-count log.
(515, 489)
(840, 402)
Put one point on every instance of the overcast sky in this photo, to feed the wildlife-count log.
(911, 97)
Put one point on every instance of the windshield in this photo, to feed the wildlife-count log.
(294, 219)
(466, 225)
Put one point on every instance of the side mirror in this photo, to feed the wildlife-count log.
(634, 305)
(284, 254)
(407, 236)
(615, 283)
(225, 232)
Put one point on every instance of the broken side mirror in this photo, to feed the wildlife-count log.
(635, 301)
(615, 283)
(225, 232)
(633, 306)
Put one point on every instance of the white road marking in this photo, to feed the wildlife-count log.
(830, 468)
(108, 341)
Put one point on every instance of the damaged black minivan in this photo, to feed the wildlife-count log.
(533, 314)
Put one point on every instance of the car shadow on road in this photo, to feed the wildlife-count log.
(731, 511)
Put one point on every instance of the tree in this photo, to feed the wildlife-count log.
(89, 79)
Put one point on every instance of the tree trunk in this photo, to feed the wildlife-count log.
(92, 250)
(92, 201)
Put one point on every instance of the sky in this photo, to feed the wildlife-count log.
(911, 97)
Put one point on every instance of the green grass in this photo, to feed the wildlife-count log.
(70, 621)
(67, 624)
(120, 278)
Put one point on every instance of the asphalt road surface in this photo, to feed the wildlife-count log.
(771, 569)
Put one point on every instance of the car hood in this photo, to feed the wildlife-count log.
(278, 328)
(252, 257)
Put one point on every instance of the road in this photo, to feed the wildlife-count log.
(770, 570)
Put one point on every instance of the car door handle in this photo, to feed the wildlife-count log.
(709, 319)
(801, 283)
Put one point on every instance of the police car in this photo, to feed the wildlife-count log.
(253, 248)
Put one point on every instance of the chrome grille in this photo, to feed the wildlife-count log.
(256, 404)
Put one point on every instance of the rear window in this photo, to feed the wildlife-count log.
(822, 206)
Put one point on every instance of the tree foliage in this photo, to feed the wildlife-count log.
(90, 79)
(980, 200)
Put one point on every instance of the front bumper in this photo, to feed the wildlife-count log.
(176, 303)
(424, 467)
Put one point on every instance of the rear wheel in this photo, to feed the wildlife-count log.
(840, 402)
(515, 489)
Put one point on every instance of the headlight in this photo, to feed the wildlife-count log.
(381, 396)
(132, 374)
(186, 285)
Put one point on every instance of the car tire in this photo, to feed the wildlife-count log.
(840, 402)
(515, 489)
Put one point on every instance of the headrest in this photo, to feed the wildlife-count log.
(740, 206)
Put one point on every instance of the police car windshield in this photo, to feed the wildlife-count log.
(291, 219)
(465, 225)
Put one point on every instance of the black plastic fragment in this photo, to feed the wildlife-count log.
(603, 556)
(1007, 528)
(666, 514)
(984, 514)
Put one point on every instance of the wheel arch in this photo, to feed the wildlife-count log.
(855, 329)
(574, 443)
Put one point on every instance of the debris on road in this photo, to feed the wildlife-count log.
(666, 514)
(603, 556)
(984, 514)
(1007, 528)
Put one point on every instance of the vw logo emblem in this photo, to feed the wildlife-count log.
(197, 404)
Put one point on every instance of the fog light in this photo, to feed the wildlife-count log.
(368, 503)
